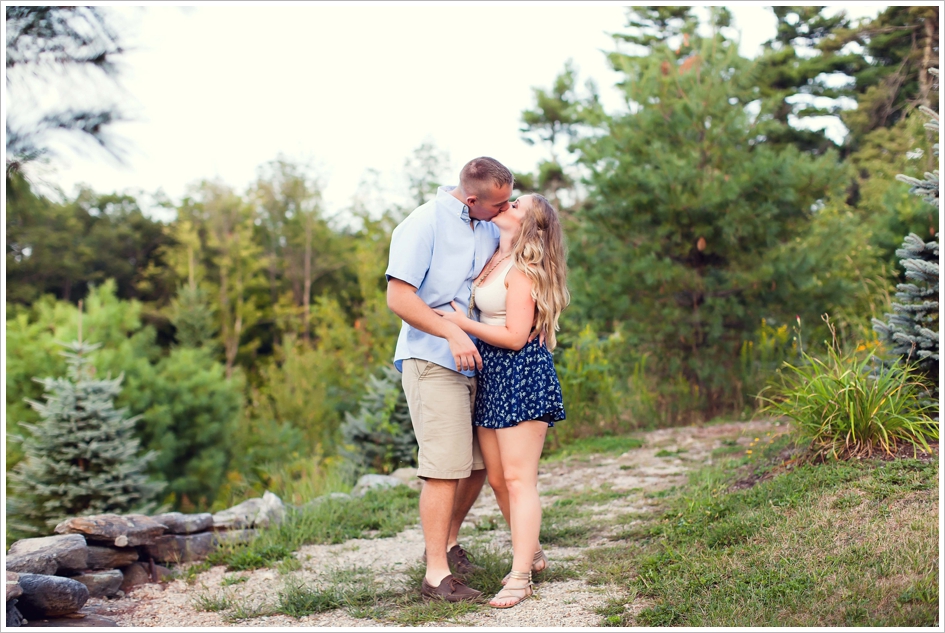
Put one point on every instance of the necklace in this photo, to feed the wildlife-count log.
(478, 282)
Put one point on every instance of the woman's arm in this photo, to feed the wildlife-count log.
(519, 316)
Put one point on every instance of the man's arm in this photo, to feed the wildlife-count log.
(403, 301)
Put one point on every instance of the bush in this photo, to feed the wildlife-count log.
(380, 437)
(844, 411)
(588, 383)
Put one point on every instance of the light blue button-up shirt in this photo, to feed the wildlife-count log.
(437, 251)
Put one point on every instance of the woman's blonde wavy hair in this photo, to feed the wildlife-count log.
(539, 253)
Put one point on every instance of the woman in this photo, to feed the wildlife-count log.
(521, 290)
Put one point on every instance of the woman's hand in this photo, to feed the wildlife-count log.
(456, 316)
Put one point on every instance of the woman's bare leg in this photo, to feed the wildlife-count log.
(519, 450)
(489, 446)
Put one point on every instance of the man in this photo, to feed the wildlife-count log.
(435, 255)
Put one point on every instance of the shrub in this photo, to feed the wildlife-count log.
(380, 437)
(844, 411)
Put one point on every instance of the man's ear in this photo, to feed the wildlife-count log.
(471, 200)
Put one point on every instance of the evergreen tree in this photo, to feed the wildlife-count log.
(912, 329)
(72, 48)
(82, 457)
(380, 436)
(191, 312)
(687, 204)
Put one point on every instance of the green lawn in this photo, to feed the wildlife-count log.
(833, 544)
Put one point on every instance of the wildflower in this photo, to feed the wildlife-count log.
(748, 452)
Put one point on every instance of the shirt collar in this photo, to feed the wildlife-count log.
(444, 197)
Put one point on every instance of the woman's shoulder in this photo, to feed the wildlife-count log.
(515, 276)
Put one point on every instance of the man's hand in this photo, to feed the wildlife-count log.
(403, 301)
(540, 334)
(464, 351)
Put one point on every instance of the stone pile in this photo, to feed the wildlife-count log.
(50, 578)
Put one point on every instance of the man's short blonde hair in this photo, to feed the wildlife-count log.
(478, 173)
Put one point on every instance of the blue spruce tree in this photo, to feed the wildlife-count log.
(82, 457)
(911, 331)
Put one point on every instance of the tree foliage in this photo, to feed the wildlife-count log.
(686, 211)
(64, 248)
(82, 457)
(54, 46)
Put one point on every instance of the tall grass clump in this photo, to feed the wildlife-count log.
(844, 409)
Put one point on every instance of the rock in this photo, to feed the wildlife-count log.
(121, 530)
(408, 477)
(334, 496)
(140, 574)
(82, 618)
(374, 482)
(14, 617)
(13, 585)
(258, 512)
(177, 548)
(101, 584)
(179, 523)
(69, 552)
(111, 557)
(231, 537)
(134, 575)
(50, 596)
(33, 564)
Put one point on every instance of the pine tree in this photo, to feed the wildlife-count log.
(191, 312)
(912, 329)
(82, 457)
(380, 436)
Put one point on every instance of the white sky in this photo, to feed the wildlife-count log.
(216, 90)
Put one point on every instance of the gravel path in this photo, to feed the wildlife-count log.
(560, 604)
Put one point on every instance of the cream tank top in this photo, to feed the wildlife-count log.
(490, 299)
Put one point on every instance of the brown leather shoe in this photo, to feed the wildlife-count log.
(450, 589)
(458, 558)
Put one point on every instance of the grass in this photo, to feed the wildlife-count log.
(591, 445)
(840, 543)
(379, 513)
(844, 408)
(355, 588)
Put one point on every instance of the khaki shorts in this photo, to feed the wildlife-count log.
(441, 406)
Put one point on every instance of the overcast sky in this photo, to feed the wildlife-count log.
(218, 89)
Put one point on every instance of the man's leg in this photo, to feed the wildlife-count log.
(436, 495)
(467, 491)
(438, 399)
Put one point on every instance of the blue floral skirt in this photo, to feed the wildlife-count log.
(515, 386)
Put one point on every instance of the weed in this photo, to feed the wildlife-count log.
(843, 408)
(242, 611)
(193, 570)
(208, 602)
(288, 565)
(299, 600)
(614, 612)
(233, 580)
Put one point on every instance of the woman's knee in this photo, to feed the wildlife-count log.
(517, 482)
(497, 482)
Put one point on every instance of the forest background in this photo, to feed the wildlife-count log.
(709, 232)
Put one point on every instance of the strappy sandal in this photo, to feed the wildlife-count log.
(519, 593)
(538, 558)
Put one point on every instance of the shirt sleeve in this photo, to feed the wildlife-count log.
(411, 252)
